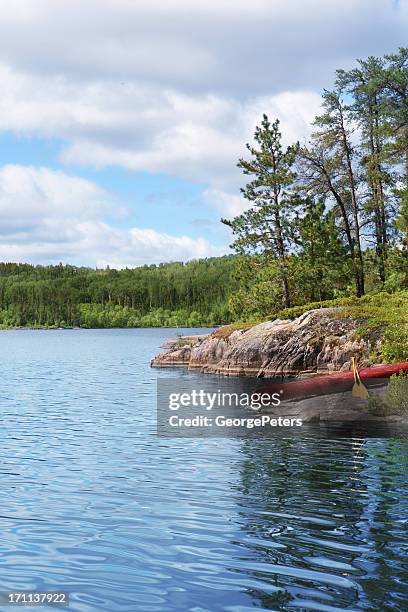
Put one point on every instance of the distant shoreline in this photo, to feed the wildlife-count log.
(29, 328)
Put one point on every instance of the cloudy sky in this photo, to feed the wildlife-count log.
(121, 121)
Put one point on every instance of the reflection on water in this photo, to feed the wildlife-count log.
(327, 522)
(93, 503)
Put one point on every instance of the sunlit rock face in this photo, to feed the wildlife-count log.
(319, 341)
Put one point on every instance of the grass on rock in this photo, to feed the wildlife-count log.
(384, 317)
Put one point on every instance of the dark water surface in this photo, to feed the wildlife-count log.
(93, 503)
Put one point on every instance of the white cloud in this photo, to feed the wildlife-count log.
(30, 197)
(229, 204)
(198, 138)
(207, 45)
(48, 216)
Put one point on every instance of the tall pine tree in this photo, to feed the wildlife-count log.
(266, 228)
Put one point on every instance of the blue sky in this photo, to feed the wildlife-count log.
(121, 121)
(167, 203)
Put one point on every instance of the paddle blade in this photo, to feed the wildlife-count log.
(359, 391)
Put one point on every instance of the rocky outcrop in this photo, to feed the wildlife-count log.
(319, 341)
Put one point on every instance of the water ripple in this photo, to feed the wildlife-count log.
(93, 503)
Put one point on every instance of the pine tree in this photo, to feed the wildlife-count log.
(395, 88)
(266, 228)
(335, 136)
(325, 170)
(366, 85)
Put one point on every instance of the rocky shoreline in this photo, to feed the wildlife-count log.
(318, 342)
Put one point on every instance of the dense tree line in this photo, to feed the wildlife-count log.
(332, 212)
(175, 294)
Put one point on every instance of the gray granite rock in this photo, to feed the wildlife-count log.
(317, 342)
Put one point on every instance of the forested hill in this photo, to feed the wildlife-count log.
(173, 294)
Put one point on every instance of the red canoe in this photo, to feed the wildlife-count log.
(331, 383)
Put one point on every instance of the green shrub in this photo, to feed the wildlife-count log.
(384, 317)
(395, 400)
(377, 406)
(397, 392)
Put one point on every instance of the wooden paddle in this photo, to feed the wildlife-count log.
(359, 390)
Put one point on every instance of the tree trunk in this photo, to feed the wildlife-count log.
(383, 220)
(337, 197)
(285, 290)
(282, 257)
(378, 193)
(354, 207)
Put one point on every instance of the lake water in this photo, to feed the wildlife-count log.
(94, 504)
